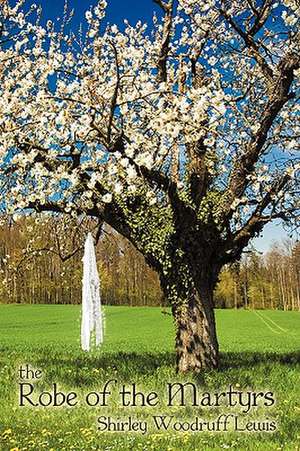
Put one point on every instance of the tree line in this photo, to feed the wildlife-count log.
(41, 263)
(269, 281)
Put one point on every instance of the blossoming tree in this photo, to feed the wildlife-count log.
(182, 135)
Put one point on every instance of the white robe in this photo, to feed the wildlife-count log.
(92, 321)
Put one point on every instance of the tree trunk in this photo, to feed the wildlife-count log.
(196, 341)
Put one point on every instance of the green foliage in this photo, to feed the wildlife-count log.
(151, 227)
(211, 207)
(225, 289)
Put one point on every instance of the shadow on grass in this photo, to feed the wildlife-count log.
(83, 370)
(250, 359)
(87, 369)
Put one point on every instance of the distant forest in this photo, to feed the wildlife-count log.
(41, 262)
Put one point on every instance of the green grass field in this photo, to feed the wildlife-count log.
(259, 350)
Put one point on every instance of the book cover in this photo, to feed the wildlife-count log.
(149, 262)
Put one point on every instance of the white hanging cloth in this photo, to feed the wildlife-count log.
(92, 321)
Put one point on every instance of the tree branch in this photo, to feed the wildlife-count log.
(244, 166)
(115, 94)
(251, 44)
(166, 36)
(261, 17)
(256, 222)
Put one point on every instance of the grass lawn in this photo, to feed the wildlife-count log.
(259, 350)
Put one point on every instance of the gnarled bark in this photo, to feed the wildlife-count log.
(196, 341)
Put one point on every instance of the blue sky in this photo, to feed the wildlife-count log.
(271, 233)
(135, 10)
(117, 10)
